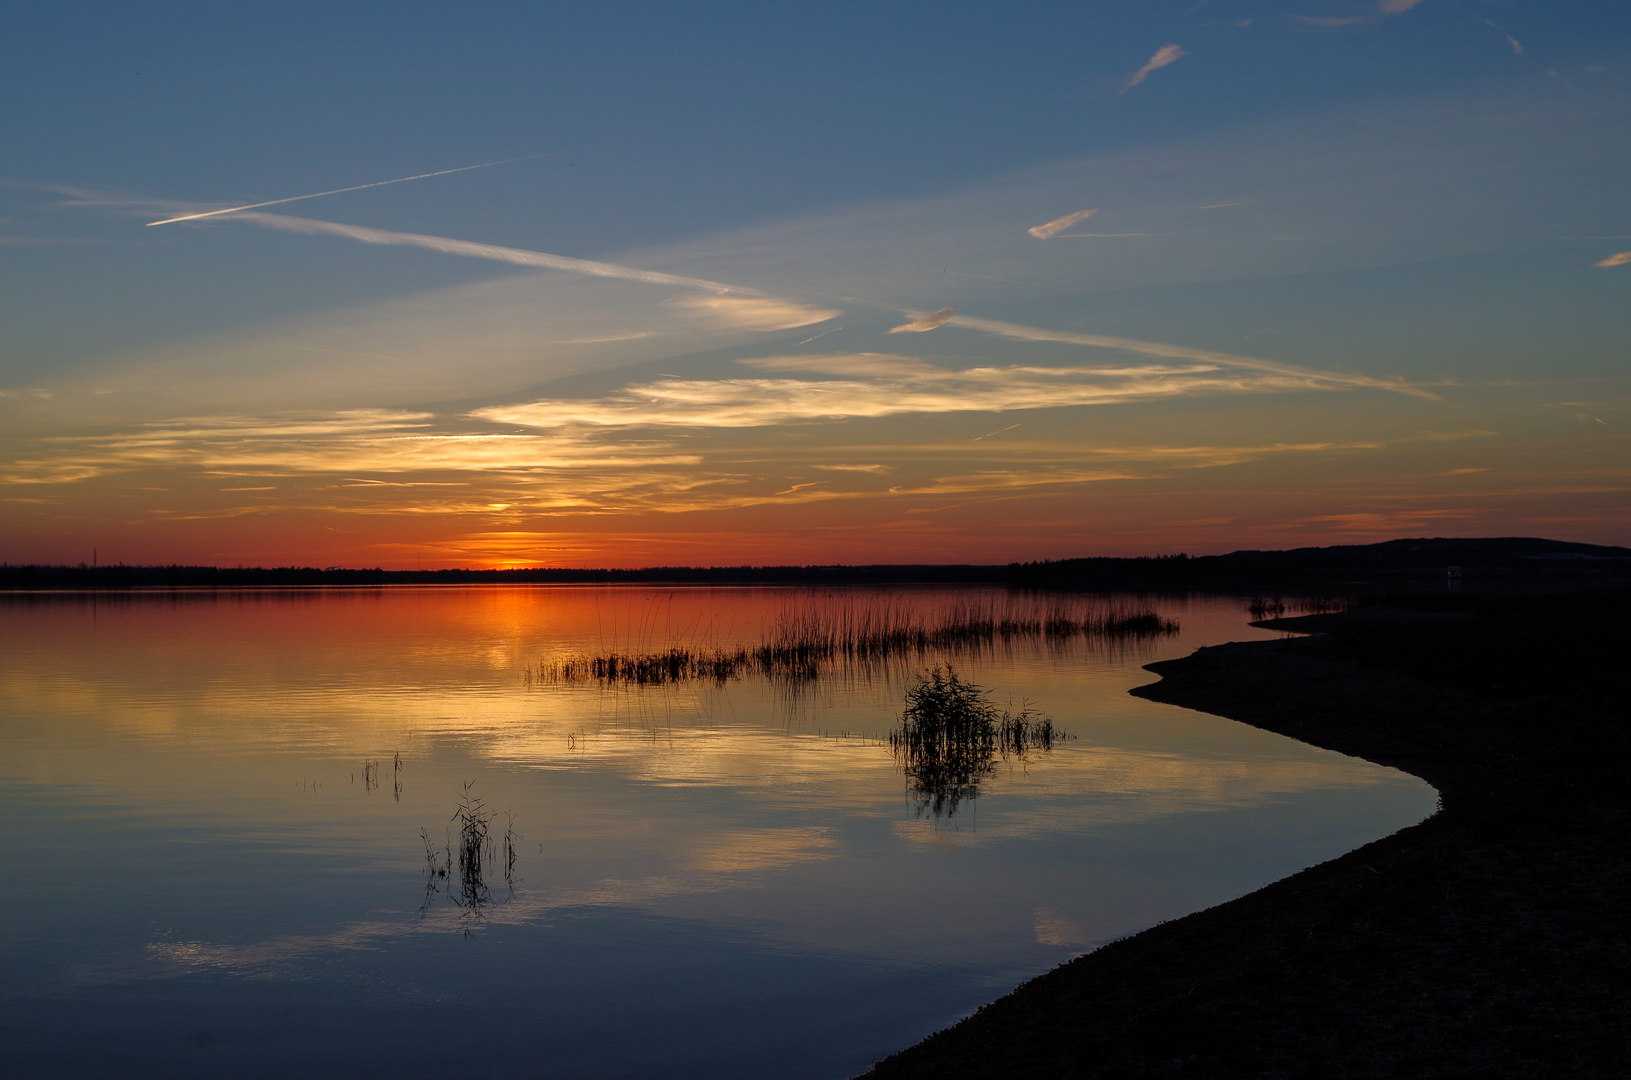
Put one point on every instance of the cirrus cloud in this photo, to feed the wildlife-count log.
(871, 385)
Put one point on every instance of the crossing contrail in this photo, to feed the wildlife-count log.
(359, 187)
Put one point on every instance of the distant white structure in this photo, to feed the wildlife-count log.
(1453, 573)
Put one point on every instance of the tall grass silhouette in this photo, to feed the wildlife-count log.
(951, 737)
(807, 636)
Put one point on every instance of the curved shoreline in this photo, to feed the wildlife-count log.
(1488, 940)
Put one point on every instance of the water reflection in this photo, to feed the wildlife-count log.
(951, 737)
(457, 871)
(742, 876)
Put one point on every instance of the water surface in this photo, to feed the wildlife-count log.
(213, 806)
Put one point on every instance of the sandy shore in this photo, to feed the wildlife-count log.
(1489, 940)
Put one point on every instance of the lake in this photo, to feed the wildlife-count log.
(233, 821)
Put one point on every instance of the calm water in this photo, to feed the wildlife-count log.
(210, 877)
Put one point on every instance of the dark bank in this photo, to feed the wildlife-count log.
(1489, 940)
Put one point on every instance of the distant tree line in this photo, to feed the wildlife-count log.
(1489, 557)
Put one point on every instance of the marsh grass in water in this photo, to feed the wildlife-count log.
(806, 638)
(951, 737)
(1275, 607)
(458, 869)
(372, 772)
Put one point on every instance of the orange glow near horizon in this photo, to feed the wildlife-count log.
(406, 490)
(1028, 500)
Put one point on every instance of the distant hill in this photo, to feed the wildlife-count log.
(1498, 556)
(1507, 551)
(1392, 559)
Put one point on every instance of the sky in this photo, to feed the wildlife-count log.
(724, 283)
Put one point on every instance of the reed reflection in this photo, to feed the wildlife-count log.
(457, 871)
(373, 776)
(951, 737)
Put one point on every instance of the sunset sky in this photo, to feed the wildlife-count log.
(809, 283)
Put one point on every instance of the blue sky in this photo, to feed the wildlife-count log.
(1398, 207)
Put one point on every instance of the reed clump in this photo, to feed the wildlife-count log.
(951, 737)
(804, 638)
(866, 628)
(1275, 607)
(474, 822)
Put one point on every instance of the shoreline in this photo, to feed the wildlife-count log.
(1488, 940)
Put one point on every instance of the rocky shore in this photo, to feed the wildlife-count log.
(1489, 940)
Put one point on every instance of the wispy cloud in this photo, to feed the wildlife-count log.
(1059, 225)
(345, 443)
(1616, 260)
(870, 385)
(926, 323)
(1394, 7)
(1517, 46)
(1192, 456)
(635, 335)
(1330, 20)
(1311, 378)
(403, 463)
(43, 241)
(751, 313)
(515, 256)
(1391, 523)
(340, 191)
(1165, 55)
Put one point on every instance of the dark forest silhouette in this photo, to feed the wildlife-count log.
(1484, 556)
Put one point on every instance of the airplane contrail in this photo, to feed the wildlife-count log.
(999, 431)
(359, 187)
(823, 333)
(468, 249)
